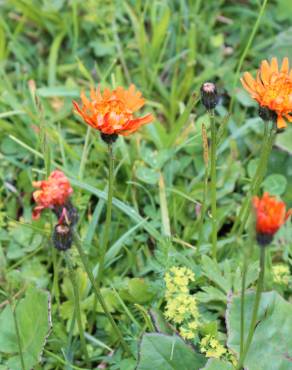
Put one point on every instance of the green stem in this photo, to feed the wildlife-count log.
(245, 205)
(255, 307)
(213, 185)
(55, 291)
(17, 335)
(245, 51)
(257, 183)
(77, 306)
(242, 303)
(203, 209)
(98, 294)
(108, 214)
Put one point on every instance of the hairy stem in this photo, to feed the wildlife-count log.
(213, 185)
(108, 214)
(77, 305)
(255, 307)
(96, 289)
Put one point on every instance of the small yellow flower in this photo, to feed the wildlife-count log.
(181, 306)
(187, 334)
(281, 273)
(211, 347)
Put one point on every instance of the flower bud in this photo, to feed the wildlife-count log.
(62, 237)
(66, 214)
(209, 95)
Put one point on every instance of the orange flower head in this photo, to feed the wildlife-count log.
(112, 111)
(272, 89)
(52, 192)
(271, 214)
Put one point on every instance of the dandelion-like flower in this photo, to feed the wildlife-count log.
(272, 89)
(271, 214)
(112, 111)
(52, 192)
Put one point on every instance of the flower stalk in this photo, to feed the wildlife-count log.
(108, 213)
(213, 185)
(96, 289)
(255, 307)
(257, 179)
(77, 305)
(205, 190)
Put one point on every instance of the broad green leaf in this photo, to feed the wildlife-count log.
(272, 341)
(147, 175)
(33, 318)
(213, 272)
(164, 352)
(284, 140)
(275, 184)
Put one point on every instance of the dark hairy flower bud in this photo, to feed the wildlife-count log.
(66, 214)
(109, 138)
(62, 237)
(209, 95)
(267, 115)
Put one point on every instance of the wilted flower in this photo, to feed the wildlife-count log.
(272, 89)
(112, 111)
(271, 214)
(52, 193)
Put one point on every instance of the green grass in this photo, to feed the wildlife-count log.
(167, 49)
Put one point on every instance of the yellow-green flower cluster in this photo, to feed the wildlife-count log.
(211, 347)
(181, 306)
(281, 274)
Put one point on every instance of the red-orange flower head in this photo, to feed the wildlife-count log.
(112, 111)
(272, 89)
(271, 214)
(52, 193)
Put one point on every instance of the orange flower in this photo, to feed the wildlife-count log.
(271, 214)
(111, 112)
(52, 192)
(272, 89)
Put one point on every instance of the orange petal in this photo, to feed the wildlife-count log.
(265, 72)
(274, 65)
(249, 80)
(285, 65)
(281, 122)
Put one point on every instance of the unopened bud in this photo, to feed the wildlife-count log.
(209, 95)
(62, 237)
